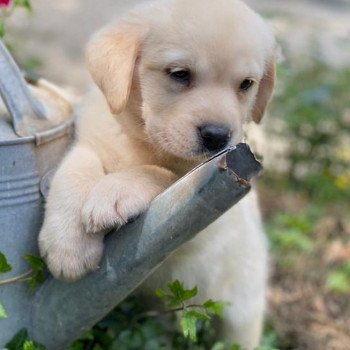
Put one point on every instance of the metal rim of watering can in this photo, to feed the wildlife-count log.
(42, 137)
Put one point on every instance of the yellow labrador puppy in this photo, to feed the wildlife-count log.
(178, 80)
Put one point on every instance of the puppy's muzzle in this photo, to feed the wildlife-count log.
(214, 137)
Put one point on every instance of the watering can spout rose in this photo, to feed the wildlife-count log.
(36, 123)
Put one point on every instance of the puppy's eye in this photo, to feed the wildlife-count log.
(246, 85)
(182, 76)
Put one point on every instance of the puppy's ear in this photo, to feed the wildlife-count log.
(265, 91)
(111, 57)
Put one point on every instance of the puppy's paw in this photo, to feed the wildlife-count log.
(70, 256)
(115, 200)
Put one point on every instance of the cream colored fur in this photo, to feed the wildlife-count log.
(140, 134)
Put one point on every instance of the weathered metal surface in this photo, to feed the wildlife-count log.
(29, 114)
(24, 161)
(62, 311)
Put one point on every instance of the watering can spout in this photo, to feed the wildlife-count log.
(30, 112)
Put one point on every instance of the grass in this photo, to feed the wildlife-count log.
(308, 204)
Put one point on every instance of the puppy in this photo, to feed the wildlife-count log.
(178, 80)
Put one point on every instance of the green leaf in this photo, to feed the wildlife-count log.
(189, 293)
(25, 4)
(2, 28)
(346, 268)
(338, 282)
(35, 262)
(235, 347)
(188, 324)
(218, 346)
(3, 313)
(4, 265)
(21, 342)
(189, 321)
(180, 293)
(161, 294)
(29, 345)
(199, 315)
(17, 342)
(215, 307)
(173, 303)
(38, 267)
(177, 288)
(270, 337)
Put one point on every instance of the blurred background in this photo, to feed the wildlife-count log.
(305, 189)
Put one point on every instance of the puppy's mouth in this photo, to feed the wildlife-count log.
(198, 153)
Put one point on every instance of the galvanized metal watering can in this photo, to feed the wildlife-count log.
(35, 129)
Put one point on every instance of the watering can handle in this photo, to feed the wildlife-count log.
(16, 94)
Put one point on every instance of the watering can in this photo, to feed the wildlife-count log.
(36, 122)
(35, 130)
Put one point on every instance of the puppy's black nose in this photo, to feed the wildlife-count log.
(214, 137)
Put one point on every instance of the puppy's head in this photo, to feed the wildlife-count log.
(186, 74)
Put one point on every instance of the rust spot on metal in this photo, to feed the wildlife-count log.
(243, 182)
(222, 163)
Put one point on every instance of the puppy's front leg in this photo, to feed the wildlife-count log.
(69, 251)
(123, 195)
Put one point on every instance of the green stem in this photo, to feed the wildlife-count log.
(158, 313)
(184, 307)
(17, 279)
